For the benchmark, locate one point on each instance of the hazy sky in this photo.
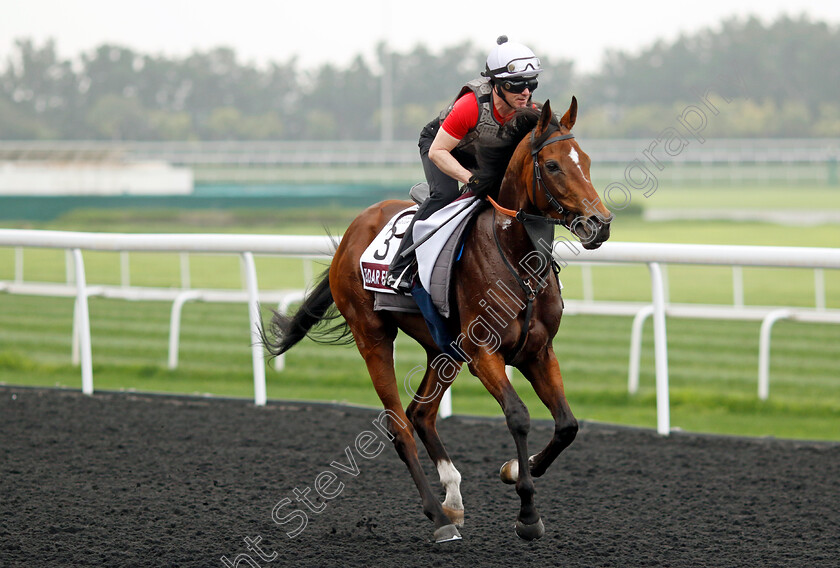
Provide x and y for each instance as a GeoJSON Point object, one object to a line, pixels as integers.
{"type": "Point", "coordinates": [335, 31]}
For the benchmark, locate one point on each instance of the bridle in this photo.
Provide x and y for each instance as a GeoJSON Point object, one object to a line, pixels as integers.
{"type": "Point", "coordinates": [538, 180]}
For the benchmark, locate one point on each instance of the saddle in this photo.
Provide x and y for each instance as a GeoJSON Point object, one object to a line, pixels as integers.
{"type": "Point", "coordinates": [439, 237]}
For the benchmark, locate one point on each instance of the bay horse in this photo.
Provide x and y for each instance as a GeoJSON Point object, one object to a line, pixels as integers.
{"type": "Point", "coordinates": [546, 182]}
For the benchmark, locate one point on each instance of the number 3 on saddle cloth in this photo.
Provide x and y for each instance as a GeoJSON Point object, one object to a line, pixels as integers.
{"type": "Point", "coordinates": [436, 257]}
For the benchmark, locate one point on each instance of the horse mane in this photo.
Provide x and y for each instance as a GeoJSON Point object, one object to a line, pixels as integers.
{"type": "Point", "coordinates": [493, 162]}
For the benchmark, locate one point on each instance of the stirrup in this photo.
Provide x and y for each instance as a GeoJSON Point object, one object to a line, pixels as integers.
{"type": "Point", "coordinates": [402, 285]}
{"type": "Point", "coordinates": [402, 282]}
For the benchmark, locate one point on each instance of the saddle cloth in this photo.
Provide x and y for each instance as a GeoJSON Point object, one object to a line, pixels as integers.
{"type": "Point", "coordinates": [381, 251]}
{"type": "Point", "coordinates": [435, 256]}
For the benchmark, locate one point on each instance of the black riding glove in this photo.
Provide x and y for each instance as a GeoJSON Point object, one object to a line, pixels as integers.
{"type": "Point", "coordinates": [471, 185]}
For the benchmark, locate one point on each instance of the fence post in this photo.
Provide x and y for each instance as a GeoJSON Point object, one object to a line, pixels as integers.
{"type": "Point", "coordinates": [764, 350]}
{"type": "Point", "coordinates": [257, 359]}
{"type": "Point", "coordinates": [83, 323]}
{"type": "Point", "coordinates": [819, 288]}
{"type": "Point", "coordinates": [738, 286]}
{"type": "Point", "coordinates": [283, 308]}
{"type": "Point", "coordinates": [636, 348]}
{"type": "Point", "coordinates": [660, 346]}
{"type": "Point", "coordinates": [175, 324]}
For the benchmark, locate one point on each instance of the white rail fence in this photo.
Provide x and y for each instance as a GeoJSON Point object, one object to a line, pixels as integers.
{"type": "Point", "coordinates": [246, 246]}
{"type": "Point", "coordinates": [655, 256]}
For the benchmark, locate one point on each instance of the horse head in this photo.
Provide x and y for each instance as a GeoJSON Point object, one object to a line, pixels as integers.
{"type": "Point", "coordinates": [552, 175]}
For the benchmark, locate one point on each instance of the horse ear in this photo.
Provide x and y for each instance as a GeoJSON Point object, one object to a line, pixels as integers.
{"type": "Point", "coordinates": [545, 117]}
{"type": "Point", "coordinates": [569, 118]}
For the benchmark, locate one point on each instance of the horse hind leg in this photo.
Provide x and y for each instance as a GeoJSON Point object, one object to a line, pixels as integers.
{"type": "Point", "coordinates": [380, 363]}
{"type": "Point", "coordinates": [453, 504]}
{"type": "Point", "coordinates": [422, 411]}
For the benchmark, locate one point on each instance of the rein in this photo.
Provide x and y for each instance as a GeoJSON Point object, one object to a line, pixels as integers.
{"type": "Point", "coordinates": [536, 234]}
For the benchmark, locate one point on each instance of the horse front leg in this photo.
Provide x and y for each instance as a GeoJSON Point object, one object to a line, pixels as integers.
{"type": "Point", "coordinates": [491, 372]}
{"type": "Point", "coordinates": [543, 372]}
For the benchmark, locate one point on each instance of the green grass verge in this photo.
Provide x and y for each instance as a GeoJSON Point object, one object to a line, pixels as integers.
{"type": "Point", "coordinates": [713, 366]}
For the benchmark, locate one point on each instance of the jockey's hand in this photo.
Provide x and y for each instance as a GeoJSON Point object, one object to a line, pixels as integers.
{"type": "Point", "coordinates": [471, 185]}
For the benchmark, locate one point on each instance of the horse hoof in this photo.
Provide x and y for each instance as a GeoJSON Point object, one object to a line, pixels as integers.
{"type": "Point", "coordinates": [455, 515]}
{"type": "Point", "coordinates": [447, 533]}
{"type": "Point", "coordinates": [530, 532]}
{"type": "Point", "coordinates": [510, 472]}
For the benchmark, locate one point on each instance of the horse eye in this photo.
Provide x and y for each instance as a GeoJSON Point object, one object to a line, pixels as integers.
{"type": "Point", "coordinates": [553, 167]}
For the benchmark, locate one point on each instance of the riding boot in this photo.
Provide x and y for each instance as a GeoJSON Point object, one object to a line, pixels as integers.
{"type": "Point", "coordinates": [403, 269]}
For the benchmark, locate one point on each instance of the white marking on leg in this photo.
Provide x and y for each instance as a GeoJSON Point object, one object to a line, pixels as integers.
{"type": "Point", "coordinates": [450, 478]}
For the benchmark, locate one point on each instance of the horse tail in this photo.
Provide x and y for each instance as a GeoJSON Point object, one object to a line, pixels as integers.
{"type": "Point", "coordinates": [317, 311]}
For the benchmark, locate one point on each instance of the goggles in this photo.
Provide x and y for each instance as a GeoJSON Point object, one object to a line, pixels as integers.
{"type": "Point", "coordinates": [519, 66]}
{"type": "Point", "coordinates": [516, 86]}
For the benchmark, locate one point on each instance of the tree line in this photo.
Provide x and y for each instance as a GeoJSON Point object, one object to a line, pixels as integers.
{"type": "Point", "coordinates": [787, 78]}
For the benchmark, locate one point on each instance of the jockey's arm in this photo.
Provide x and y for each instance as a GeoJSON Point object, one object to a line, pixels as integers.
{"type": "Point", "coordinates": [440, 153]}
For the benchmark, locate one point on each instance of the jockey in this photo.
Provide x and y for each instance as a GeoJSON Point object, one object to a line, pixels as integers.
{"type": "Point", "coordinates": [449, 144]}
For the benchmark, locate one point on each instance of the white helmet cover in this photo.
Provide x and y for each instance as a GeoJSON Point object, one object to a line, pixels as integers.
{"type": "Point", "coordinates": [511, 59]}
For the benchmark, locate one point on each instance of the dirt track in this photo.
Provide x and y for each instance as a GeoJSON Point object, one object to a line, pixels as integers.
{"type": "Point", "coordinates": [134, 480]}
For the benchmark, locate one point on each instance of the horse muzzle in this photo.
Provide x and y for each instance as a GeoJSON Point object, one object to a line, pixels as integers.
{"type": "Point", "coordinates": [592, 231]}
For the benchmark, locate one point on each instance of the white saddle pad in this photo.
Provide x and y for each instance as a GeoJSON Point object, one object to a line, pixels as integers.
{"type": "Point", "coordinates": [429, 251]}
{"type": "Point", "coordinates": [381, 251]}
